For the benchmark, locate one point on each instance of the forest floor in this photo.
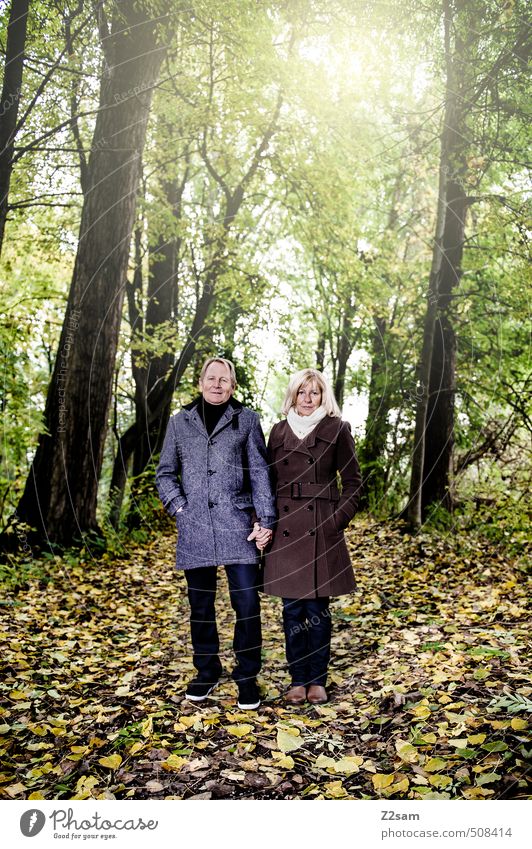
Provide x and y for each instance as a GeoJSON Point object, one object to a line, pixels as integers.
{"type": "Point", "coordinates": [429, 688]}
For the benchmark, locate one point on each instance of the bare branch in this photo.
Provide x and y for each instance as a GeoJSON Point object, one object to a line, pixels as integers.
{"type": "Point", "coordinates": [104, 31]}
{"type": "Point", "coordinates": [69, 43]}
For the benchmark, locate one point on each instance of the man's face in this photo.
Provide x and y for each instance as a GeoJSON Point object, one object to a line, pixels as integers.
{"type": "Point", "coordinates": [216, 385]}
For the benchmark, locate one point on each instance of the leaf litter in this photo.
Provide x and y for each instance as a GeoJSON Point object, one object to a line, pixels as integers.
{"type": "Point", "coordinates": [430, 696]}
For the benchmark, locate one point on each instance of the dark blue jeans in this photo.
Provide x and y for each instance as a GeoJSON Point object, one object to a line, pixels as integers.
{"type": "Point", "coordinates": [247, 643]}
{"type": "Point", "coordinates": [307, 631]}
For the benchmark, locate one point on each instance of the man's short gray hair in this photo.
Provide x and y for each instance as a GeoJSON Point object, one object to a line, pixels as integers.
{"type": "Point", "coordinates": [224, 362]}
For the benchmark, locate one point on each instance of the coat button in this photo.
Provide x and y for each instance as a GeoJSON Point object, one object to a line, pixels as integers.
{"type": "Point", "coordinates": [286, 533]}
{"type": "Point", "coordinates": [285, 462]}
{"type": "Point", "coordinates": [212, 503]}
{"type": "Point", "coordinates": [310, 506]}
{"type": "Point", "coordinates": [211, 472]}
{"type": "Point", "coordinates": [312, 533]}
{"type": "Point", "coordinates": [310, 461]}
{"type": "Point", "coordinates": [286, 508]}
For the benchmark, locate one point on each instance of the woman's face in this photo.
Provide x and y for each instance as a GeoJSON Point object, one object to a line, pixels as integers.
{"type": "Point", "coordinates": [308, 398]}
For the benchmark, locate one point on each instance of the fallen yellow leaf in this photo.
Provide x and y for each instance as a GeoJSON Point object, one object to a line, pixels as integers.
{"type": "Point", "coordinates": [335, 790]}
{"type": "Point", "coordinates": [113, 761]}
{"type": "Point", "coordinates": [15, 790]}
{"type": "Point", "coordinates": [422, 712]}
{"type": "Point", "coordinates": [430, 737]}
{"type": "Point", "coordinates": [18, 694]}
{"type": "Point", "coordinates": [381, 780]}
{"type": "Point", "coordinates": [406, 751]}
{"type": "Point", "coordinates": [476, 738]}
{"type": "Point", "coordinates": [146, 729]}
{"type": "Point", "coordinates": [440, 780]}
{"type": "Point", "coordinates": [287, 742]}
{"type": "Point", "coordinates": [39, 730]}
{"type": "Point", "coordinates": [348, 765]}
{"type": "Point", "coordinates": [399, 786]}
{"type": "Point", "coordinates": [86, 782]}
{"type": "Point", "coordinates": [239, 730]}
{"type": "Point", "coordinates": [435, 764]}
{"type": "Point", "coordinates": [324, 762]}
{"type": "Point", "coordinates": [477, 792]}
{"type": "Point", "coordinates": [285, 762]}
{"type": "Point", "coordinates": [173, 762]}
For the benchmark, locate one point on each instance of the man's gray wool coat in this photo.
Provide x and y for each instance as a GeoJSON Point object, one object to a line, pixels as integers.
{"type": "Point", "coordinates": [220, 481]}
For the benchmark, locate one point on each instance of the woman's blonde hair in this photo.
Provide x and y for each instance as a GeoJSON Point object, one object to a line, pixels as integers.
{"type": "Point", "coordinates": [301, 378]}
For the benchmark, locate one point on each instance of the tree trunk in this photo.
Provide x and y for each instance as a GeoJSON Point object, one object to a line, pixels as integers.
{"type": "Point", "coordinates": [371, 453]}
{"type": "Point", "coordinates": [11, 89]}
{"type": "Point", "coordinates": [439, 434]}
{"type": "Point", "coordinates": [60, 496]}
{"type": "Point", "coordinates": [346, 343]}
{"type": "Point", "coordinates": [414, 506]}
{"type": "Point", "coordinates": [320, 351]}
{"type": "Point", "coordinates": [162, 286]}
{"type": "Point", "coordinates": [162, 398]}
{"type": "Point", "coordinates": [144, 438]}
{"type": "Point", "coordinates": [161, 395]}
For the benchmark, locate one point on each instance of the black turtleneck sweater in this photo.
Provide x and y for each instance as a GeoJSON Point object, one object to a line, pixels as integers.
{"type": "Point", "coordinates": [210, 414]}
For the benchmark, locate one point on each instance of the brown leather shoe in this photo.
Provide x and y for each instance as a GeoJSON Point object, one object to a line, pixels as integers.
{"type": "Point", "coordinates": [316, 694]}
{"type": "Point", "coordinates": [296, 696]}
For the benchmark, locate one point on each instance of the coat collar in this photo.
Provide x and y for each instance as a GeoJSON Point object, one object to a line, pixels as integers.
{"type": "Point", "coordinates": [234, 408]}
{"type": "Point", "coordinates": [327, 430]}
{"type": "Point", "coordinates": [233, 403]}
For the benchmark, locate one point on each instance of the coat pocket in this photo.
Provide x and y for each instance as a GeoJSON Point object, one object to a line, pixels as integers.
{"type": "Point", "coordinates": [243, 502]}
{"type": "Point", "coordinates": [181, 504]}
{"type": "Point", "coordinates": [331, 526]}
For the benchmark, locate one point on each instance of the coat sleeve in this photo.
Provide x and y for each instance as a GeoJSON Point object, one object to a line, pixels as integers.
{"type": "Point", "coordinates": [259, 475]}
{"type": "Point", "coordinates": [350, 475]}
{"type": "Point", "coordinates": [168, 473]}
{"type": "Point", "coordinates": [270, 455]}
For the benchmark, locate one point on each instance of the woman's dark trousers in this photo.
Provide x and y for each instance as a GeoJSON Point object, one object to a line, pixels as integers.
{"type": "Point", "coordinates": [307, 630]}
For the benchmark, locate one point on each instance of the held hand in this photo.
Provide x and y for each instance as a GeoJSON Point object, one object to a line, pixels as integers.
{"type": "Point", "coordinates": [262, 536]}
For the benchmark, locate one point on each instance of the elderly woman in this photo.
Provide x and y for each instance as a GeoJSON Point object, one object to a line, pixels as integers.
{"type": "Point", "coordinates": [308, 561]}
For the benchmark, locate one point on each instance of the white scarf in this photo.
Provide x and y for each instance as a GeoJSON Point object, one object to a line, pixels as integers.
{"type": "Point", "coordinates": [302, 425]}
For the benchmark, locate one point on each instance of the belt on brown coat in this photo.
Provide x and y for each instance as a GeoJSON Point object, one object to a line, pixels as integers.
{"type": "Point", "coordinates": [302, 489]}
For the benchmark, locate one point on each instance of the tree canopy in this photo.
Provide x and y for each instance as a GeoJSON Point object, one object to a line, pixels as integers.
{"type": "Point", "coordinates": [340, 185]}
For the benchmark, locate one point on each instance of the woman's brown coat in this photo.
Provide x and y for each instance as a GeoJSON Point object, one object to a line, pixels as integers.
{"type": "Point", "coordinates": [308, 557]}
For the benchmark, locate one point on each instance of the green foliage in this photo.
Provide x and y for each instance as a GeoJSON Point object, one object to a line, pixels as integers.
{"type": "Point", "coordinates": [18, 573]}
{"type": "Point", "coordinates": [513, 703]}
{"type": "Point", "coordinates": [33, 283]}
{"type": "Point", "coordinates": [505, 522]}
{"type": "Point", "coordinates": [291, 168]}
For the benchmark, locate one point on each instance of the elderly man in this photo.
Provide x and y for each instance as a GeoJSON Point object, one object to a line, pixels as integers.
{"type": "Point", "coordinates": [213, 477]}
